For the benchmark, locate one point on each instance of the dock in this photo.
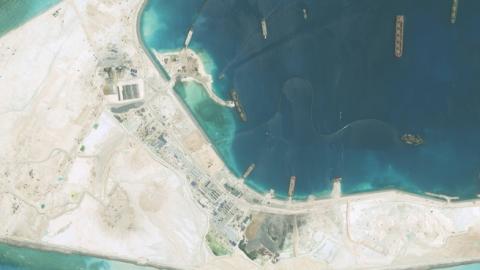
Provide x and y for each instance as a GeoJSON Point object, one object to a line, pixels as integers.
{"type": "Point", "coordinates": [238, 105]}
{"type": "Point", "coordinates": [453, 14]}
{"type": "Point", "coordinates": [291, 187]}
{"type": "Point", "coordinates": [399, 25]}
{"type": "Point", "coordinates": [248, 171]}
{"type": "Point", "coordinates": [336, 188]}
{"type": "Point", "coordinates": [263, 24]}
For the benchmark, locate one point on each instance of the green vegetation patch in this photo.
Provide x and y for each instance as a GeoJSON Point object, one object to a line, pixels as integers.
{"type": "Point", "coordinates": [216, 246]}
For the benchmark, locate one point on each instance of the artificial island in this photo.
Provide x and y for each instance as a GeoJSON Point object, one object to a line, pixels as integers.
{"type": "Point", "coordinates": [103, 158]}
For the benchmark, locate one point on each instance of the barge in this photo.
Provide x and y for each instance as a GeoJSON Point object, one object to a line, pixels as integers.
{"type": "Point", "coordinates": [399, 25]}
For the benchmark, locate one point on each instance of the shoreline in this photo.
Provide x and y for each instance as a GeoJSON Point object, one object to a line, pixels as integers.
{"type": "Point", "coordinates": [153, 59]}
{"type": "Point", "coordinates": [31, 18]}
{"type": "Point", "coordinates": [255, 188]}
{"type": "Point", "coordinates": [199, 127]}
{"type": "Point", "coordinates": [47, 247]}
{"type": "Point", "coordinates": [43, 247]}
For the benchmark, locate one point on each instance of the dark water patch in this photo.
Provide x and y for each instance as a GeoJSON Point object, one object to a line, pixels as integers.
{"type": "Point", "coordinates": [126, 108]}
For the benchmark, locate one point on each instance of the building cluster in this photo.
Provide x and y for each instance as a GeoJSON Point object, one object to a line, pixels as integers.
{"type": "Point", "coordinates": [228, 220]}
{"type": "Point", "coordinates": [184, 65]}
{"type": "Point", "coordinates": [122, 83]}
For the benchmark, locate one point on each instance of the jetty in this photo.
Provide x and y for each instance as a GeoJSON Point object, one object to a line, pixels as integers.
{"type": "Point", "coordinates": [238, 106]}
{"type": "Point", "coordinates": [186, 66]}
{"type": "Point", "coordinates": [399, 25]}
{"type": "Point", "coordinates": [263, 24]}
{"type": "Point", "coordinates": [441, 196]}
{"type": "Point", "coordinates": [248, 171]}
{"type": "Point", "coordinates": [337, 188]}
{"type": "Point", "coordinates": [453, 14]}
{"type": "Point", "coordinates": [291, 187]}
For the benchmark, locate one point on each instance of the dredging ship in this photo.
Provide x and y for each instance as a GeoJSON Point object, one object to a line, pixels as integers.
{"type": "Point", "coordinates": [238, 105]}
{"type": "Point", "coordinates": [399, 24]}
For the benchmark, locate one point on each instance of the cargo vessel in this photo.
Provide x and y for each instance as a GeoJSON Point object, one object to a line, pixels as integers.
{"type": "Point", "coordinates": [399, 24]}
{"type": "Point", "coordinates": [263, 23]}
{"type": "Point", "coordinates": [453, 14]}
{"type": "Point", "coordinates": [249, 170]}
{"type": "Point", "coordinates": [291, 187]}
{"type": "Point", "coordinates": [238, 106]}
{"type": "Point", "coordinates": [189, 37]}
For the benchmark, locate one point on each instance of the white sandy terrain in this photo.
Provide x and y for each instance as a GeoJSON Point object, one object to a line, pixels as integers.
{"type": "Point", "coordinates": [70, 175]}
{"type": "Point", "coordinates": [151, 217]}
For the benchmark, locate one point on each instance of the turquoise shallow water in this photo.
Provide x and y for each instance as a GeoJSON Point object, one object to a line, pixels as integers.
{"type": "Point", "coordinates": [325, 96]}
{"type": "Point", "coordinates": [475, 266]}
{"type": "Point", "coordinates": [16, 12]}
{"type": "Point", "coordinates": [16, 258]}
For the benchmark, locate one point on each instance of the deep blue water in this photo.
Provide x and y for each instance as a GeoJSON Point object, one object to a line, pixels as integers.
{"type": "Point", "coordinates": [326, 97]}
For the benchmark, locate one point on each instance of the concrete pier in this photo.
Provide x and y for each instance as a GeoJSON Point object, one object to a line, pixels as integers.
{"type": "Point", "coordinates": [337, 188]}
{"type": "Point", "coordinates": [185, 66]}
{"type": "Point", "coordinates": [441, 196]}
{"type": "Point", "coordinates": [291, 187]}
